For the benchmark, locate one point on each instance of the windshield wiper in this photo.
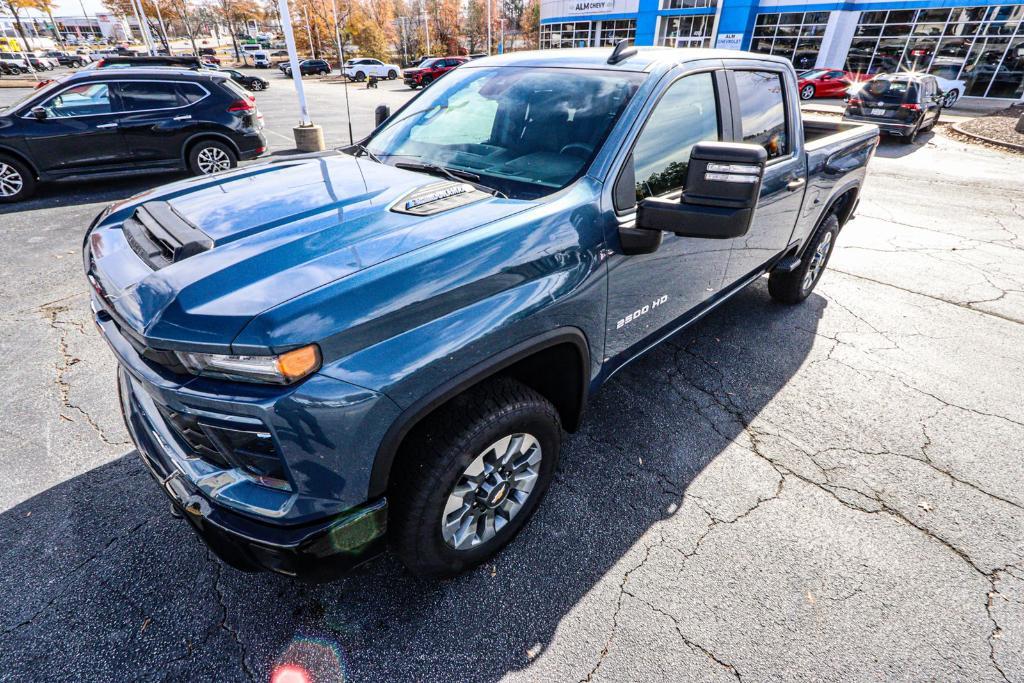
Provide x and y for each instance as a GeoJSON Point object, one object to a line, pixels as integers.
{"type": "Point", "coordinates": [450, 173]}
{"type": "Point", "coordinates": [362, 150]}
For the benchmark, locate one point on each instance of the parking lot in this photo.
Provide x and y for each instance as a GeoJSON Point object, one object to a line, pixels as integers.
{"type": "Point", "coordinates": [832, 491]}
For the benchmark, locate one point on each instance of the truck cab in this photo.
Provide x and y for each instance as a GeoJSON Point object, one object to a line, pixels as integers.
{"type": "Point", "coordinates": [322, 357]}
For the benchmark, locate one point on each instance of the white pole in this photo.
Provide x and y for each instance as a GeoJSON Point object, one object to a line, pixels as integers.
{"type": "Point", "coordinates": [426, 28]}
{"type": "Point", "coordinates": [140, 15]}
{"type": "Point", "coordinates": [293, 60]}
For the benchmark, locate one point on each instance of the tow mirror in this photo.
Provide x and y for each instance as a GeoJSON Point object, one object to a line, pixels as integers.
{"type": "Point", "coordinates": [723, 182]}
{"type": "Point", "coordinates": [39, 112]}
{"type": "Point", "coordinates": [381, 114]}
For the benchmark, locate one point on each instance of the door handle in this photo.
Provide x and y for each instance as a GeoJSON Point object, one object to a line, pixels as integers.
{"type": "Point", "coordinates": [107, 125]}
{"type": "Point", "coordinates": [795, 184]}
{"type": "Point", "coordinates": [184, 117]}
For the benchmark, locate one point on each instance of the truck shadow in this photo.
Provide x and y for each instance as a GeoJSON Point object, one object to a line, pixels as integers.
{"type": "Point", "coordinates": [104, 574]}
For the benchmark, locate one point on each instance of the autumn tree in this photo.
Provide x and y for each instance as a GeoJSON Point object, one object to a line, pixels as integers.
{"type": "Point", "coordinates": [14, 8]}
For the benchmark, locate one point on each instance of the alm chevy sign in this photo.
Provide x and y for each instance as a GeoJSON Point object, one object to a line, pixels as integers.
{"type": "Point", "coordinates": [583, 8]}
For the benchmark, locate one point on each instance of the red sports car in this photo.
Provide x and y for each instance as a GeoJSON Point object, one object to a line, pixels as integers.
{"type": "Point", "coordinates": [827, 82]}
{"type": "Point", "coordinates": [429, 70]}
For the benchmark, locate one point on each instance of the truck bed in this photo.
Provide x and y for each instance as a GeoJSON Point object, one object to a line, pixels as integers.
{"type": "Point", "coordinates": [817, 132]}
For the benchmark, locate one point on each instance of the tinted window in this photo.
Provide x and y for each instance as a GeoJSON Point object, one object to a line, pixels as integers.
{"type": "Point", "coordinates": [80, 100]}
{"type": "Point", "coordinates": [685, 115]}
{"type": "Point", "coordinates": [892, 92]}
{"type": "Point", "coordinates": [190, 92]}
{"type": "Point", "coordinates": [762, 111]}
{"type": "Point", "coordinates": [143, 95]}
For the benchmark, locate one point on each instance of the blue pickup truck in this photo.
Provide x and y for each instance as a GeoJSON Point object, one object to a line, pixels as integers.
{"type": "Point", "coordinates": [324, 357]}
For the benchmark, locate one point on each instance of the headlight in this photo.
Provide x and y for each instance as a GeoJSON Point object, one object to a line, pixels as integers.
{"type": "Point", "coordinates": [285, 368]}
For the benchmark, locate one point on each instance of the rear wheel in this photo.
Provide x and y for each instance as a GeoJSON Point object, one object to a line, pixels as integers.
{"type": "Point", "coordinates": [256, 86]}
{"type": "Point", "coordinates": [909, 138]}
{"type": "Point", "coordinates": [392, 75]}
{"type": "Point", "coordinates": [469, 479]}
{"type": "Point", "coordinates": [795, 286]}
{"type": "Point", "coordinates": [807, 92]}
{"type": "Point", "coordinates": [210, 156]}
{"type": "Point", "coordinates": [17, 182]}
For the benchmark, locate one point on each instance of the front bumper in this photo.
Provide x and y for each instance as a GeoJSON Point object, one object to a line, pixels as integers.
{"type": "Point", "coordinates": [318, 551]}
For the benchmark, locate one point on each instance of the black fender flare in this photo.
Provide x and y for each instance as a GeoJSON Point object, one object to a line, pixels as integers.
{"type": "Point", "coordinates": [411, 416]}
{"type": "Point", "coordinates": [192, 139]}
{"type": "Point", "coordinates": [20, 156]}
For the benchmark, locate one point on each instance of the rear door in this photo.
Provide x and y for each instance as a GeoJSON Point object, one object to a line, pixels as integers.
{"type": "Point", "coordinates": [158, 117]}
{"type": "Point", "coordinates": [80, 131]}
{"type": "Point", "coordinates": [764, 115]}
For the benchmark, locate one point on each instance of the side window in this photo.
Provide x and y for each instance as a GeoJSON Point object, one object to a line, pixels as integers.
{"type": "Point", "coordinates": [80, 100]}
{"type": "Point", "coordinates": [685, 115]}
{"type": "Point", "coordinates": [144, 95]}
{"type": "Point", "coordinates": [763, 111]}
{"type": "Point", "coordinates": [190, 92]}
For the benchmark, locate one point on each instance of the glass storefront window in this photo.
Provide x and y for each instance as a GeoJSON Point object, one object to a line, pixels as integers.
{"type": "Point", "coordinates": [687, 4]}
{"type": "Point", "coordinates": [611, 32]}
{"type": "Point", "coordinates": [565, 35]}
{"type": "Point", "coordinates": [981, 46]}
{"type": "Point", "coordinates": [692, 31]}
{"type": "Point", "coordinates": [797, 36]}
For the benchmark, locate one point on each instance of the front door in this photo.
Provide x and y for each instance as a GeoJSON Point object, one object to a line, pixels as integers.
{"type": "Point", "coordinates": [764, 119]}
{"type": "Point", "coordinates": [649, 291]}
{"type": "Point", "coordinates": [80, 131]}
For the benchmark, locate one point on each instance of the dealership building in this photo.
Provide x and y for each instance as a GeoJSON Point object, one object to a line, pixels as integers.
{"type": "Point", "coordinates": [980, 44]}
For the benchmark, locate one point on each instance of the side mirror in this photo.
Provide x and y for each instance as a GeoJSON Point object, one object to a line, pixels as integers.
{"type": "Point", "coordinates": [723, 183]}
{"type": "Point", "coordinates": [39, 112]}
{"type": "Point", "coordinates": [381, 114]}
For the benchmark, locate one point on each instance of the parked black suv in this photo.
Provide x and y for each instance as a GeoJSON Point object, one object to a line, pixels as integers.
{"type": "Point", "coordinates": [118, 121]}
{"type": "Point", "coordinates": [900, 104]}
{"type": "Point", "coordinates": [310, 67]}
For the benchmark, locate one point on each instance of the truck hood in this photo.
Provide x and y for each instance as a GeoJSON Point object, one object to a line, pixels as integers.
{"type": "Point", "coordinates": [269, 233]}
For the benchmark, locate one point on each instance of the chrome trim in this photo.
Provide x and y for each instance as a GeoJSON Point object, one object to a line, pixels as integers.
{"type": "Point", "coordinates": [119, 113]}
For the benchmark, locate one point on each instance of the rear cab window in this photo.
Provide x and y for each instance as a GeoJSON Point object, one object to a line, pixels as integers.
{"type": "Point", "coordinates": [763, 111]}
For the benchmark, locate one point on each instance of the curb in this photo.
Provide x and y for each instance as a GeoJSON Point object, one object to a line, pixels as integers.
{"type": "Point", "coordinates": [987, 140]}
{"type": "Point", "coordinates": [17, 83]}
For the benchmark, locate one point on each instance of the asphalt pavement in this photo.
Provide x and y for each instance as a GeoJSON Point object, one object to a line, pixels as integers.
{"type": "Point", "coordinates": [826, 492]}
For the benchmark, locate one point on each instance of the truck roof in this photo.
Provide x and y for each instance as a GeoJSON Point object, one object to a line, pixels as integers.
{"type": "Point", "coordinates": [645, 59]}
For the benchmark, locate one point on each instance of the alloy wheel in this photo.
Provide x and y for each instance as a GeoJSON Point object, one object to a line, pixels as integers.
{"type": "Point", "coordinates": [807, 92]}
{"type": "Point", "coordinates": [213, 160]}
{"type": "Point", "coordinates": [11, 181]}
{"type": "Point", "coordinates": [817, 261]}
{"type": "Point", "coordinates": [491, 491]}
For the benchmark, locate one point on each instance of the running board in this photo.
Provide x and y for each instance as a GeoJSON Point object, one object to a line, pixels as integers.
{"type": "Point", "coordinates": [787, 265]}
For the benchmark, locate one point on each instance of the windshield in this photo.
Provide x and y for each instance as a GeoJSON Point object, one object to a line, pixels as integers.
{"type": "Point", "coordinates": [893, 92]}
{"type": "Point", "coordinates": [525, 131]}
{"type": "Point", "coordinates": [426, 62]}
{"type": "Point", "coordinates": [813, 73]}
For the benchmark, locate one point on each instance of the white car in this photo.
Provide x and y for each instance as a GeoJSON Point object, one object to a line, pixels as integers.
{"type": "Point", "coordinates": [363, 68]}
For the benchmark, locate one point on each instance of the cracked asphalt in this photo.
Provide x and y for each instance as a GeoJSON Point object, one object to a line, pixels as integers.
{"type": "Point", "coordinates": [832, 491]}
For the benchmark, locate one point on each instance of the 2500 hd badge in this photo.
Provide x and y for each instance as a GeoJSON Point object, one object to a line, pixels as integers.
{"type": "Point", "coordinates": [323, 357]}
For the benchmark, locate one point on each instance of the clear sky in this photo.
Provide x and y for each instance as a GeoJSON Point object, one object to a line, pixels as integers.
{"type": "Point", "coordinates": [74, 7]}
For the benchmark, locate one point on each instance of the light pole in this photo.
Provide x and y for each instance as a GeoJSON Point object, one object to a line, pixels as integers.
{"type": "Point", "coordinates": [488, 26]}
{"type": "Point", "coordinates": [308, 138]}
{"type": "Point", "coordinates": [341, 65]}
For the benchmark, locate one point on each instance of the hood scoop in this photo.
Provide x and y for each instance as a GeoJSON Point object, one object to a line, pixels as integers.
{"type": "Point", "coordinates": [436, 198]}
{"type": "Point", "coordinates": [161, 237]}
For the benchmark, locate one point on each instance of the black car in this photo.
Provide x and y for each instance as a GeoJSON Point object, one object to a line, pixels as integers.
{"type": "Point", "coordinates": [66, 58]}
{"type": "Point", "coordinates": [116, 121]}
{"type": "Point", "coordinates": [254, 83]}
{"type": "Point", "coordinates": [310, 67]}
{"type": "Point", "coordinates": [899, 104]}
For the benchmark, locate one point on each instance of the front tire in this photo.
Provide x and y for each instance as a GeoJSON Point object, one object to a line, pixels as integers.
{"type": "Point", "coordinates": [209, 156]}
{"type": "Point", "coordinates": [360, 76]}
{"type": "Point", "coordinates": [950, 98]}
{"type": "Point", "coordinates": [17, 181]}
{"type": "Point", "coordinates": [472, 476]}
{"type": "Point", "coordinates": [807, 92]}
{"type": "Point", "coordinates": [795, 286]}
